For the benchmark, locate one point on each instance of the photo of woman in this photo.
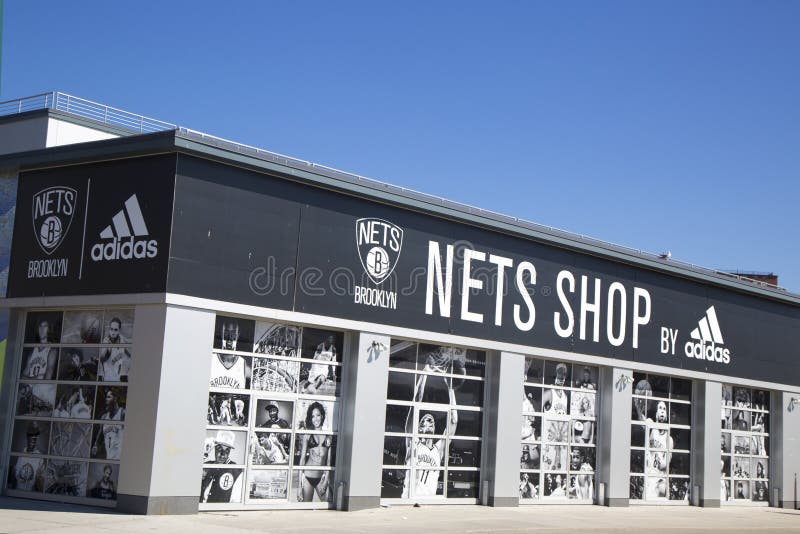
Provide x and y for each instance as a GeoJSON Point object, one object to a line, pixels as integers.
{"type": "Point", "coordinates": [315, 450]}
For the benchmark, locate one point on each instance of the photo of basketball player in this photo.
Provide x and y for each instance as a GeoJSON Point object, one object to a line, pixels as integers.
{"type": "Point", "coordinates": [111, 401]}
{"type": "Point", "coordinates": [30, 437]}
{"type": "Point", "coordinates": [103, 481]}
{"type": "Point", "coordinates": [64, 477]}
{"type": "Point", "coordinates": [279, 376]}
{"type": "Point", "coordinates": [276, 339]}
{"type": "Point", "coordinates": [230, 447]}
{"type": "Point", "coordinates": [36, 399]}
{"type": "Point", "coordinates": [70, 439]}
{"type": "Point", "coordinates": [424, 450]}
{"type": "Point", "coordinates": [318, 378]}
{"type": "Point", "coordinates": [39, 363]}
{"type": "Point", "coordinates": [114, 362]}
{"type": "Point", "coordinates": [233, 333]}
{"type": "Point", "coordinates": [586, 378]}
{"type": "Point", "coordinates": [82, 326]}
{"type": "Point", "coordinates": [581, 482]}
{"type": "Point", "coordinates": [266, 485]}
{"type": "Point", "coordinates": [124, 320]}
{"type": "Point", "coordinates": [74, 402]}
{"type": "Point", "coordinates": [78, 364]}
{"type": "Point", "coordinates": [531, 399]}
{"type": "Point", "coordinates": [555, 400]}
{"type": "Point", "coordinates": [43, 327]}
{"type": "Point", "coordinates": [228, 409]}
{"type": "Point", "coordinates": [229, 371]}
{"type": "Point", "coordinates": [107, 441]}
{"type": "Point", "coordinates": [267, 449]}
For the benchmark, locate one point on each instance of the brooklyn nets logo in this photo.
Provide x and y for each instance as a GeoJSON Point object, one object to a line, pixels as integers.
{"type": "Point", "coordinates": [53, 209]}
{"type": "Point", "coordinates": [379, 244]}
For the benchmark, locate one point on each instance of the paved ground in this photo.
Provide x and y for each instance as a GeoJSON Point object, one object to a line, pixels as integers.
{"type": "Point", "coordinates": [18, 515]}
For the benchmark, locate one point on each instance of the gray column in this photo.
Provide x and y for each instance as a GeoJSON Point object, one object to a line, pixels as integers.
{"type": "Point", "coordinates": [363, 401]}
{"type": "Point", "coordinates": [706, 450]}
{"type": "Point", "coordinates": [165, 421]}
{"type": "Point", "coordinates": [614, 436]}
{"type": "Point", "coordinates": [784, 450]}
{"type": "Point", "coordinates": [502, 412]}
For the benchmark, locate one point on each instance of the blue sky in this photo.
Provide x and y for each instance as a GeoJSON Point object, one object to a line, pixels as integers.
{"type": "Point", "coordinates": [656, 125]}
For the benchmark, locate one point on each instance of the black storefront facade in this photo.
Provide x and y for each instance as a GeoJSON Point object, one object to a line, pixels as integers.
{"type": "Point", "coordinates": [198, 327]}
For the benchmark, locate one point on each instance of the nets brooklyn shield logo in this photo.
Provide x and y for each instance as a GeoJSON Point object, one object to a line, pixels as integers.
{"type": "Point", "coordinates": [53, 209]}
{"type": "Point", "coordinates": [379, 243]}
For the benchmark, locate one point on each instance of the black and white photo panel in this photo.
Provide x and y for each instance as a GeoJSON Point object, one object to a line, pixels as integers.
{"type": "Point", "coordinates": [554, 457]}
{"type": "Point", "coordinates": [531, 428]}
{"type": "Point", "coordinates": [74, 401]}
{"type": "Point", "coordinates": [78, 364]}
{"type": "Point", "coordinates": [437, 358]}
{"type": "Point", "coordinates": [319, 379]}
{"type": "Point", "coordinates": [583, 432]}
{"type": "Point", "coordinates": [534, 370]}
{"type": "Point", "coordinates": [66, 477]}
{"type": "Point", "coordinates": [265, 485]}
{"type": "Point", "coordinates": [316, 415]}
{"type": "Point", "coordinates": [36, 400]}
{"type": "Point", "coordinates": [468, 392]}
{"type": "Point", "coordinates": [30, 436]}
{"type": "Point", "coordinates": [228, 409]}
{"type": "Point", "coordinates": [582, 404]}
{"type": "Point", "coordinates": [401, 386]}
{"type": "Point", "coordinates": [394, 450]}
{"type": "Point", "coordinates": [111, 402]}
{"type": "Point", "coordinates": [234, 333]}
{"type": "Point", "coordinates": [314, 449]}
{"type": "Point", "coordinates": [403, 354]}
{"type": "Point", "coordinates": [274, 413]}
{"type": "Point", "coordinates": [469, 362]}
{"type": "Point", "coordinates": [555, 401]}
{"type": "Point", "coordinates": [230, 371]}
{"type": "Point", "coordinates": [656, 487]}
{"type": "Point", "coordinates": [276, 339]}
{"type": "Point", "coordinates": [274, 375]}
{"type": "Point", "coordinates": [26, 473]}
{"type": "Point", "coordinates": [39, 363]}
{"type": "Point", "coordinates": [637, 487]}
{"type": "Point", "coordinates": [269, 448]}
{"type": "Point", "coordinates": [311, 485]}
{"type": "Point", "coordinates": [118, 327]}
{"type": "Point", "coordinates": [113, 364]}
{"type": "Point", "coordinates": [103, 479]}
{"type": "Point", "coordinates": [82, 326]}
{"type": "Point", "coordinates": [529, 486]}
{"type": "Point", "coordinates": [43, 327]}
{"type": "Point", "coordinates": [555, 485]}
{"type": "Point", "coordinates": [221, 484]}
{"type": "Point", "coordinates": [430, 422]}
{"type": "Point", "coordinates": [462, 484]}
{"type": "Point", "coordinates": [464, 453]}
{"type": "Point", "coordinates": [322, 345]}
{"type": "Point", "coordinates": [399, 418]}
{"type": "Point", "coordinates": [392, 482]}
{"type": "Point", "coordinates": [584, 377]}
{"type": "Point", "coordinates": [225, 447]}
{"type": "Point", "coordinates": [71, 439]}
{"type": "Point", "coordinates": [531, 456]}
{"type": "Point", "coordinates": [470, 423]}
{"type": "Point", "coordinates": [107, 441]}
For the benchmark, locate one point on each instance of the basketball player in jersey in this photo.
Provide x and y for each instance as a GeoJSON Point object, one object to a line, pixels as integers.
{"type": "Point", "coordinates": [42, 358]}
{"type": "Point", "coordinates": [225, 412]}
{"type": "Point", "coordinates": [228, 371]}
{"type": "Point", "coordinates": [110, 437]}
{"type": "Point", "coordinates": [556, 401]}
{"type": "Point", "coordinates": [115, 362]}
{"type": "Point", "coordinates": [424, 451]}
{"type": "Point", "coordinates": [659, 438]}
{"type": "Point", "coordinates": [318, 373]}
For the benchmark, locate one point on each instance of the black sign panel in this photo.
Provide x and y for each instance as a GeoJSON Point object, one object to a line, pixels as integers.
{"type": "Point", "coordinates": [320, 252]}
{"type": "Point", "coordinates": [92, 229]}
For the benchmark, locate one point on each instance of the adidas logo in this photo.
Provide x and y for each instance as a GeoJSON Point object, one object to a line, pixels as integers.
{"type": "Point", "coordinates": [708, 340]}
{"type": "Point", "coordinates": [123, 237]}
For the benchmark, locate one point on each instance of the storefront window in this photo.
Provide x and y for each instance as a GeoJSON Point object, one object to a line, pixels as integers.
{"type": "Point", "coordinates": [434, 422]}
{"type": "Point", "coordinates": [559, 430]}
{"type": "Point", "coordinates": [660, 438]}
{"type": "Point", "coordinates": [272, 415]}
{"type": "Point", "coordinates": [744, 445]}
{"type": "Point", "coordinates": [70, 406]}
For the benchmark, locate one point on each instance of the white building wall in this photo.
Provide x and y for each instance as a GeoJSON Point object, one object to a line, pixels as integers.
{"type": "Point", "coordinates": [61, 132]}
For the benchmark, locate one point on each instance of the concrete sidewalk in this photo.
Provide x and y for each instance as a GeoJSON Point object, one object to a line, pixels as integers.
{"type": "Point", "coordinates": [18, 515]}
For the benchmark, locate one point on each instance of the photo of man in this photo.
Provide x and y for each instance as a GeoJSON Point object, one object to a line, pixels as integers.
{"type": "Point", "coordinates": [102, 481]}
{"type": "Point", "coordinates": [223, 484]}
{"type": "Point", "coordinates": [43, 327]}
{"type": "Point", "coordinates": [30, 437]}
{"type": "Point", "coordinates": [114, 363]}
{"type": "Point", "coordinates": [78, 364]}
{"type": "Point", "coordinates": [39, 362]}
{"type": "Point", "coordinates": [74, 402]}
{"type": "Point", "coordinates": [107, 441]}
{"type": "Point", "coordinates": [527, 488]}
{"type": "Point", "coordinates": [530, 457]}
{"type": "Point", "coordinates": [317, 377]}
{"type": "Point", "coordinates": [228, 409]}
{"type": "Point", "coordinates": [114, 399]}
{"type": "Point", "coordinates": [267, 449]}
{"type": "Point", "coordinates": [555, 400]}
{"type": "Point", "coordinates": [587, 379]}
{"type": "Point", "coordinates": [233, 333]}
